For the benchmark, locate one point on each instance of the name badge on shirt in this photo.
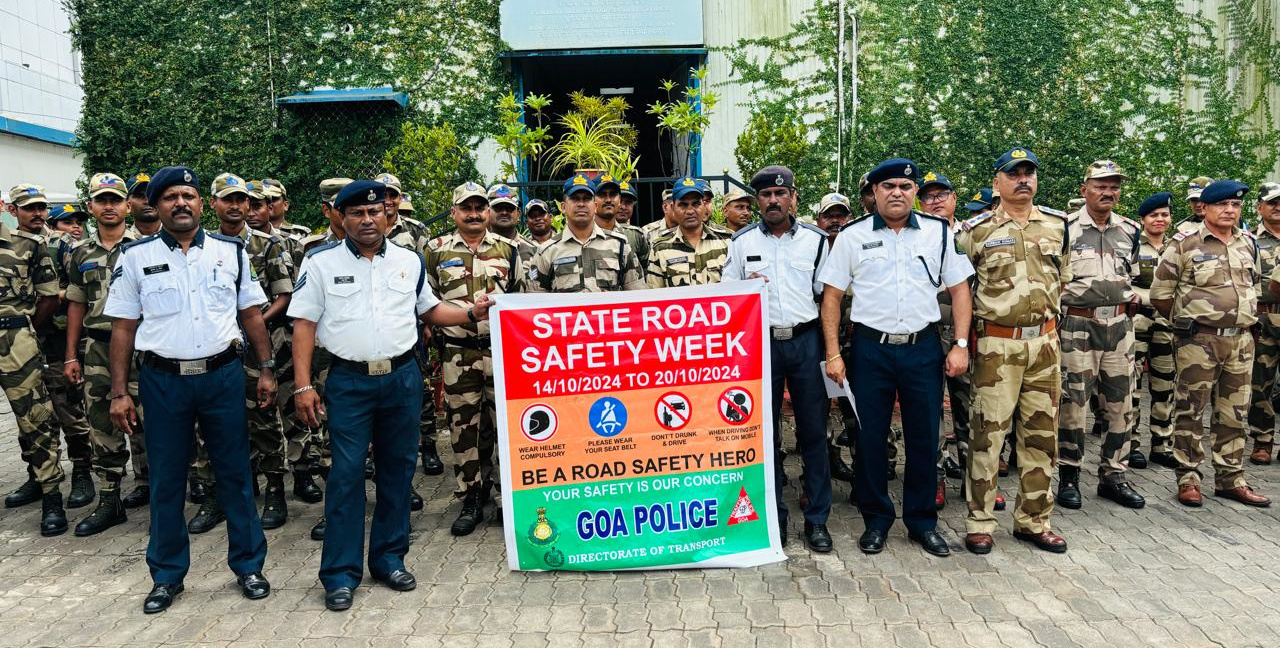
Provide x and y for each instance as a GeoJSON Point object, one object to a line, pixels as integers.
{"type": "Point", "coordinates": [872, 245]}
{"type": "Point", "coordinates": [1082, 247]}
{"type": "Point", "coordinates": [753, 257]}
{"type": "Point", "coordinates": [451, 263]}
{"type": "Point", "coordinates": [1201, 258]}
{"type": "Point", "coordinates": [155, 269]}
{"type": "Point", "coordinates": [998, 242]}
{"type": "Point", "coordinates": [683, 259]}
{"type": "Point", "coordinates": [564, 260]}
{"type": "Point", "coordinates": [344, 280]}
{"type": "Point", "coordinates": [88, 265]}
{"type": "Point", "coordinates": [1146, 257]}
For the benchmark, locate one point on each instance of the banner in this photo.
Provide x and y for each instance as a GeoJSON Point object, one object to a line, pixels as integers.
{"type": "Point", "coordinates": [635, 428]}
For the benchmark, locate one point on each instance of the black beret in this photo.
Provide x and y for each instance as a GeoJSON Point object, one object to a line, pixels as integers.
{"type": "Point", "coordinates": [360, 192]}
{"type": "Point", "coordinates": [773, 176]}
{"type": "Point", "coordinates": [894, 168]}
{"type": "Point", "coordinates": [170, 176]}
{"type": "Point", "coordinates": [1223, 190]}
{"type": "Point", "coordinates": [1154, 202]}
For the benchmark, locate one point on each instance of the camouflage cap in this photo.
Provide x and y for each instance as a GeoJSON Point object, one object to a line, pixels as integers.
{"type": "Point", "coordinates": [536, 204]}
{"type": "Point", "coordinates": [1269, 191]}
{"type": "Point", "coordinates": [501, 194]}
{"type": "Point", "coordinates": [864, 186]}
{"type": "Point", "coordinates": [391, 181]}
{"type": "Point", "coordinates": [1075, 204]}
{"type": "Point", "coordinates": [1196, 186]}
{"type": "Point", "coordinates": [666, 195]}
{"type": "Point", "coordinates": [330, 187]}
{"type": "Point", "coordinates": [468, 190]}
{"type": "Point", "coordinates": [107, 183]}
{"type": "Point", "coordinates": [258, 189]}
{"type": "Point", "coordinates": [273, 188]}
{"type": "Point", "coordinates": [834, 200]}
{"type": "Point", "coordinates": [226, 184]}
{"type": "Point", "coordinates": [406, 205]}
{"type": "Point", "coordinates": [27, 194]}
{"type": "Point", "coordinates": [1104, 169]}
{"type": "Point", "coordinates": [736, 193]}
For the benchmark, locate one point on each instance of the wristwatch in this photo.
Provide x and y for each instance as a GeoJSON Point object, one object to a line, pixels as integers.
{"type": "Point", "coordinates": [471, 315]}
{"type": "Point", "coordinates": [269, 363]}
{"type": "Point", "coordinates": [963, 343]}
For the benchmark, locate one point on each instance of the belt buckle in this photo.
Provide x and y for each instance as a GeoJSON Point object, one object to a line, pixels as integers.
{"type": "Point", "coordinates": [1230, 331]}
{"type": "Point", "coordinates": [192, 367]}
{"type": "Point", "coordinates": [379, 367]}
{"type": "Point", "coordinates": [1025, 332]}
{"type": "Point", "coordinates": [783, 333]}
{"type": "Point", "coordinates": [898, 338]}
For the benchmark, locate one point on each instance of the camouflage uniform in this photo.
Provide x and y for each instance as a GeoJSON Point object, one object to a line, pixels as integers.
{"type": "Point", "coordinates": [639, 242]}
{"type": "Point", "coordinates": [301, 454]}
{"type": "Point", "coordinates": [89, 268]}
{"type": "Point", "coordinates": [317, 448]}
{"type": "Point", "coordinates": [1097, 339]}
{"type": "Point", "coordinates": [673, 262]}
{"type": "Point", "coordinates": [412, 234]}
{"type": "Point", "coordinates": [1153, 346]}
{"type": "Point", "coordinates": [459, 276]}
{"type": "Point", "coordinates": [1262, 414]}
{"type": "Point", "coordinates": [604, 263]}
{"type": "Point", "coordinates": [655, 230]}
{"type": "Point", "coordinates": [959, 387]}
{"type": "Point", "coordinates": [1020, 274]}
{"type": "Point", "coordinates": [1211, 283]}
{"type": "Point", "coordinates": [68, 401]}
{"type": "Point", "coordinates": [27, 274]}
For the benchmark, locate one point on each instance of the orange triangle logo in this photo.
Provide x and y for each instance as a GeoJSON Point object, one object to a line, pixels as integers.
{"type": "Point", "coordinates": [743, 511]}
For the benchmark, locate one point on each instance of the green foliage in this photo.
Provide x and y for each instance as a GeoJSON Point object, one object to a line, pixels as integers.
{"type": "Point", "coordinates": [517, 139]}
{"type": "Point", "coordinates": [952, 84]}
{"type": "Point", "coordinates": [195, 83]}
{"type": "Point", "coordinates": [779, 137]}
{"type": "Point", "coordinates": [685, 118]}
{"type": "Point", "coordinates": [596, 135]}
{"type": "Point", "coordinates": [430, 161]}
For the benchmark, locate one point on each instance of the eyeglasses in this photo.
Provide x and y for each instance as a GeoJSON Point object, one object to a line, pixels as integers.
{"type": "Point", "coordinates": [936, 197]}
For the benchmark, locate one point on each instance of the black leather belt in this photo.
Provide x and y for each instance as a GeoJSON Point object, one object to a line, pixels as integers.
{"type": "Point", "coordinates": [95, 334]}
{"type": "Point", "coordinates": [778, 333]}
{"type": "Point", "coordinates": [375, 367]}
{"type": "Point", "coordinates": [896, 339]}
{"type": "Point", "coordinates": [17, 322]}
{"type": "Point", "coordinates": [190, 367]}
{"type": "Point", "coordinates": [1147, 311]}
{"type": "Point", "coordinates": [478, 342]}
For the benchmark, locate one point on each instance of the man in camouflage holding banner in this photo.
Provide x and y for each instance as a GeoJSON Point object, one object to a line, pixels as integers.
{"type": "Point", "coordinates": [694, 252]}
{"type": "Point", "coordinates": [584, 257]}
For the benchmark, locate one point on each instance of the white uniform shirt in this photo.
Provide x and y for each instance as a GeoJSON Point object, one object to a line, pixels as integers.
{"type": "Point", "coordinates": [788, 261]}
{"type": "Point", "coordinates": [364, 310]}
{"type": "Point", "coordinates": [188, 303]}
{"type": "Point", "coordinates": [893, 274]}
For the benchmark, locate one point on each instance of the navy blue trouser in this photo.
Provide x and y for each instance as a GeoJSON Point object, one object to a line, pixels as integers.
{"type": "Point", "coordinates": [384, 411]}
{"type": "Point", "coordinates": [795, 367]}
{"type": "Point", "coordinates": [174, 404]}
{"type": "Point", "coordinates": [910, 374]}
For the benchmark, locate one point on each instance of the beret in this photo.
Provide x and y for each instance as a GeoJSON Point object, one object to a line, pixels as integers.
{"type": "Point", "coordinates": [773, 176]}
{"type": "Point", "coordinates": [1223, 190]}
{"type": "Point", "coordinates": [170, 176]}
{"type": "Point", "coordinates": [891, 169]}
{"type": "Point", "coordinates": [360, 192]}
{"type": "Point", "coordinates": [1154, 202]}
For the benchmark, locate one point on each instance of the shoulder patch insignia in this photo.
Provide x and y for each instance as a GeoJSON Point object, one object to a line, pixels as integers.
{"type": "Point", "coordinates": [975, 221]}
{"type": "Point", "coordinates": [1051, 211]}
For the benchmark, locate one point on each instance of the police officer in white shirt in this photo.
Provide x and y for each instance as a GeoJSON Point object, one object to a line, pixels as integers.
{"type": "Point", "coordinates": [180, 297]}
{"type": "Point", "coordinates": [896, 260]}
{"type": "Point", "coordinates": [362, 299]}
{"type": "Point", "coordinates": [788, 255]}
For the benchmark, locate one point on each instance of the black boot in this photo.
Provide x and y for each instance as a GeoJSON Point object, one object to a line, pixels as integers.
{"type": "Point", "coordinates": [469, 517]}
{"type": "Point", "coordinates": [1069, 487]}
{"type": "Point", "coordinates": [210, 514]}
{"type": "Point", "coordinates": [317, 531]}
{"type": "Point", "coordinates": [141, 496]}
{"type": "Point", "coordinates": [305, 487]}
{"type": "Point", "coordinates": [53, 520]}
{"type": "Point", "coordinates": [368, 467]}
{"type": "Point", "coordinates": [197, 491]}
{"type": "Point", "coordinates": [28, 493]}
{"type": "Point", "coordinates": [82, 492]}
{"type": "Point", "coordinates": [275, 512]}
{"type": "Point", "coordinates": [431, 464]}
{"type": "Point", "coordinates": [840, 471]}
{"type": "Point", "coordinates": [952, 469]}
{"type": "Point", "coordinates": [109, 513]}
{"type": "Point", "coordinates": [415, 500]}
{"type": "Point", "coordinates": [1137, 459]}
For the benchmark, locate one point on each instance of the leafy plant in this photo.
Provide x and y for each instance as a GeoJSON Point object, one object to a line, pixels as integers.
{"type": "Point", "coordinates": [595, 135]}
{"type": "Point", "coordinates": [685, 118]}
{"type": "Point", "coordinates": [516, 138]}
{"type": "Point", "coordinates": [430, 161]}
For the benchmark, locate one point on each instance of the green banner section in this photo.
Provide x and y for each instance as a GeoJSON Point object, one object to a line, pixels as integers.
{"type": "Point", "coordinates": [642, 523]}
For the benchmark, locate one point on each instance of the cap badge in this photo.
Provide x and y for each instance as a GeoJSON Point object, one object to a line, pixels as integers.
{"type": "Point", "coordinates": [907, 169]}
{"type": "Point", "coordinates": [977, 196]}
{"type": "Point", "coordinates": [231, 182]}
{"type": "Point", "coordinates": [624, 184]}
{"type": "Point", "coordinates": [1239, 193]}
{"type": "Point", "coordinates": [186, 176]}
{"type": "Point", "coordinates": [688, 182]}
{"type": "Point", "coordinates": [372, 195]}
{"type": "Point", "coordinates": [929, 177]}
{"type": "Point", "coordinates": [838, 198]}
{"type": "Point", "coordinates": [143, 177]}
{"type": "Point", "coordinates": [1018, 154]}
{"type": "Point", "coordinates": [32, 191]}
{"type": "Point", "coordinates": [779, 180]}
{"type": "Point", "coordinates": [579, 181]}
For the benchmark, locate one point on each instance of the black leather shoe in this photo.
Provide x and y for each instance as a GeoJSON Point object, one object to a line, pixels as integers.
{"type": "Point", "coordinates": [469, 516]}
{"type": "Point", "coordinates": [141, 496]}
{"type": "Point", "coordinates": [1122, 494]}
{"type": "Point", "coordinates": [209, 516]}
{"type": "Point", "coordinates": [840, 471]}
{"type": "Point", "coordinates": [161, 597]}
{"type": "Point", "coordinates": [398, 580]}
{"type": "Point", "coordinates": [82, 492]}
{"type": "Point", "coordinates": [931, 541]}
{"type": "Point", "coordinates": [109, 513]}
{"type": "Point", "coordinates": [1069, 487]}
{"type": "Point", "coordinates": [952, 469]}
{"type": "Point", "coordinates": [816, 536]}
{"type": "Point", "coordinates": [415, 500]}
{"type": "Point", "coordinates": [197, 492]}
{"type": "Point", "coordinates": [254, 586]}
{"type": "Point", "coordinates": [317, 531]}
{"type": "Point", "coordinates": [28, 493]}
{"type": "Point", "coordinates": [842, 439]}
{"type": "Point", "coordinates": [275, 511]}
{"type": "Point", "coordinates": [53, 519]}
{"type": "Point", "coordinates": [338, 599]}
{"type": "Point", "coordinates": [871, 541]}
{"type": "Point", "coordinates": [431, 464]}
{"type": "Point", "coordinates": [1137, 460]}
{"type": "Point", "coordinates": [1165, 459]}
{"type": "Point", "coordinates": [305, 487]}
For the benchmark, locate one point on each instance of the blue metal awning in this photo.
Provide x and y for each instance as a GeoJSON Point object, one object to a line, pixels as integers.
{"type": "Point", "coordinates": [37, 132]}
{"type": "Point", "coordinates": [346, 95]}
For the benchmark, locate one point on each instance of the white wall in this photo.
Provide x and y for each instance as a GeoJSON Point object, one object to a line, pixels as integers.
{"type": "Point", "coordinates": [26, 160]}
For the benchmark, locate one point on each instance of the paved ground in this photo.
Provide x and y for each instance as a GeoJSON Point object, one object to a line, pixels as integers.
{"type": "Point", "coordinates": [1163, 576]}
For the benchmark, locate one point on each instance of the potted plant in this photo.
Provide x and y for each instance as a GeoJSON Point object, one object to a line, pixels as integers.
{"type": "Point", "coordinates": [596, 137]}
{"type": "Point", "coordinates": [685, 118]}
